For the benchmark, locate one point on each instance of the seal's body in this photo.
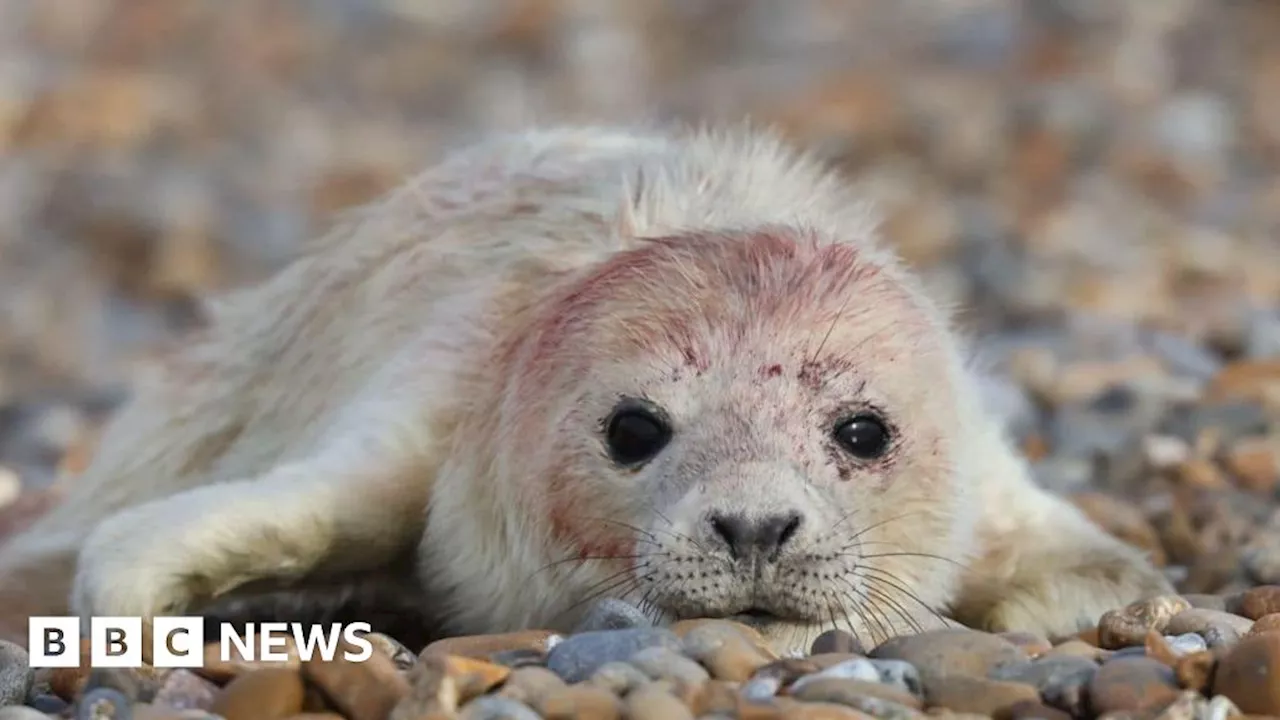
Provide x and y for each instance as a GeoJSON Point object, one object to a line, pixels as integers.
{"type": "Point", "coordinates": [678, 369]}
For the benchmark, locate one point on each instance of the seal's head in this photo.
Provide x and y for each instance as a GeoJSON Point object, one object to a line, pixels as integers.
{"type": "Point", "coordinates": [762, 426]}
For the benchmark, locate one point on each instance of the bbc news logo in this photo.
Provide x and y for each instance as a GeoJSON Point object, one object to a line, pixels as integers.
{"type": "Point", "coordinates": [179, 642]}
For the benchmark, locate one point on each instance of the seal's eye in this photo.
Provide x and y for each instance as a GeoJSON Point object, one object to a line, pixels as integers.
{"type": "Point", "coordinates": [863, 436]}
{"type": "Point", "coordinates": [635, 433]}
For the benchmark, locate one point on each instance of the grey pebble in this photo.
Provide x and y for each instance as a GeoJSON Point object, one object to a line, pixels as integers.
{"type": "Point", "coordinates": [104, 703]}
{"type": "Point", "coordinates": [900, 674]}
{"type": "Point", "coordinates": [662, 663]}
{"type": "Point", "coordinates": [1048, 672]}
{"type": "Point", "coordinates": [48, 703]}
{"type": "Point", "coordinates": [855, 669]}
{"type": "Point", "coordinates": [761, 688]}
{"type": "Point", "coordinates": [612, 614]}
{"type": "Point", "coordinates": [580, 655]}
{"type": "Point", "coordinates": [494, 707]}
{"type": "Point", "coordinates": [1187, 643]}
{"type": "Point", "coordinates": [22, 712]}
{"type": "Point", "coordinates": [16, 674]}
{"type": "Point", "coordinates": [522, 657]}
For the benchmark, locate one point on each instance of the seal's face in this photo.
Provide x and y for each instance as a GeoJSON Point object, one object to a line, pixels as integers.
{"type": "Point", "coordinates": [760, 428]}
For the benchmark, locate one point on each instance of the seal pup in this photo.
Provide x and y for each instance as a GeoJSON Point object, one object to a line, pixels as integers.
{"type": "Point", "coordinates": [678, 368]}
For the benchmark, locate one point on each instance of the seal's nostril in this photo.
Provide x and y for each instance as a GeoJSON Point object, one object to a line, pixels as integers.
{"type": "Point", "coordinates": [764, 536]}
{"type": "Point", "coordinates": [788, 532]}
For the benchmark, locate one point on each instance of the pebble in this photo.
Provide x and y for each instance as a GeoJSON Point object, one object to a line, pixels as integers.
{"type": "Point", "coordinates": [1266, 623]}
{"type": "Point", "coordinates": [900, 674]}
{"type": "Point", "coordinates": [1259, 601]}
{"type": "Point", "coordinates": [366, 690]}
{"type": "Point", "coordinates": [618, 677]}
{"type": "Point", "coordinates": [727, 651]}
{"type": "Point", "coordinates": [185, 690]}
{"type": "Point", "coordinates": [267, 694]}
{"type": "Point", "coordinates": [869, 697]}
{"type": "Point", "coordinates": [981, 696]}
{"type": "Point", "coordinates": [612, 614]}
{"type": "Point", "coordinates": [663, 663]}
{"type": "Point", "coordinates": [651, 702]}
{"type": "Point", "coordinates": [1249, 674]}
{"type": "Point", "coordinates": [16, 674]}
{"type": "Point", "coordinates": [493, 707]}
{"type": "Point", "coordinates": [402, 656]}
{"type": "Point", "coordinates": [22, 712]}
{"type": "Point", "coordinates": [1132, 684]}
{"type": "Point", "coordinates": [578, 656]}
{"type": "Point", "coordinates": [952, 651]}
{"type": "Point", "coordinates": [1048, 672]}
{"type": "Point", "coordinates": [1200, 621]}
{"type": "Point", "coordinates": [1128, 626]}
{"type": "Point", "coordinates": [486, 646]}
{"type": "Point", "coordinates": [580, 701]}
{"type": "Point", "coordinates": [104, 703]}
{"type": "Point", "coordinates": [836, 641]}
{"type": "Point", "coordinates": [853, 669]}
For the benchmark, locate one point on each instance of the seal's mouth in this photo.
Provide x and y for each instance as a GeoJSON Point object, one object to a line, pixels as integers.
{"type": "Point", "coordinates": [755, 617]}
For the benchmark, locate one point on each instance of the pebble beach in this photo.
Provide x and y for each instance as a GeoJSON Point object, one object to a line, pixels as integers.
{"type": "Point", "coordinates": [1093, 185]}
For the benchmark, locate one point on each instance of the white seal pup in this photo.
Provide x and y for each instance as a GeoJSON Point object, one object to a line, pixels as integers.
{"type": "Point", "coordinates": [676, 368]}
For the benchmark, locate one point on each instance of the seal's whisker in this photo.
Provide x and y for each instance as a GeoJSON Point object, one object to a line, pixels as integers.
{"type": "Point", "coordinates": [884, 577]}
{"type": "Point", "coordinates": [897, 607]}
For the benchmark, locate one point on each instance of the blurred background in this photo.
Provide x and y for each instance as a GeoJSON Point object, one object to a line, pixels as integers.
{"type": "Point", "coordinates": [1092, 182]}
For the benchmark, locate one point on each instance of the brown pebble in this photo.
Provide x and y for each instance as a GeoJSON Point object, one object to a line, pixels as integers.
{"type": "Point", "coordinates": [432, 690]}
{"type": "Point", "coordinates": [1243, 380]}
{"type": "Point", "coordinates": [1158, 649]}
{"type": "Point", "coordinates": [1255, 461]}
{"type": "Point", "coordinates": [1128, 626]}
{"type": "Point", "coordinates": [652, 702]}
{"type": "Point", "coordinates": [1259, 601]}
{"type": "Point", "coordinates": [1089, 636]}
{"type": "Point", "coordinates": [1129, 684]}
{"type": "Point", "coordinates": [402, 656]}
{"type": "Point", "coordinates": [717, 697]}
{"type": "Point", "coordinates": [1194, 671]}
{"type": "Point", "coordinates": [530, 684]}
{"type": "Point", "coordinates": [365, 690]}
{"type": "Point", "coordinates": [836, 641]}
{"type": "Point", "coordinates": [582, 702]}
{"type": "Point", "coordinates": [483, 646]}
{"type": "Point", "coordinates": [223, 671]}
{"type": "Point", "coordinates": [1032, 644]}
{"type": "Point", "coordinates": [67, 683]}
{"type": "Point", "coordinates": [1249, 674]}
{"type": "Point", "coordinates": [963, 693]}
{"type": "Point", "coordinates": [952, 651]}
{"type": "Point", "coordinates": [1032, 710]}
{"type": "Point", "coordinates": [1266, 623]}
{"type": "Point", "coordinates": [727, 654]}
{"type": "Point", "coordinates": [269, 694]}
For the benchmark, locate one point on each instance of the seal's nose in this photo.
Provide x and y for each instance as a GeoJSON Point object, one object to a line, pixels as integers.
{"type": "Point", "coordinates": [748, 537]}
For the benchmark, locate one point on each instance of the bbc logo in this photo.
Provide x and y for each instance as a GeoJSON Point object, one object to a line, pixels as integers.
{"type": "Point", "coordinates": [116, 642]}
